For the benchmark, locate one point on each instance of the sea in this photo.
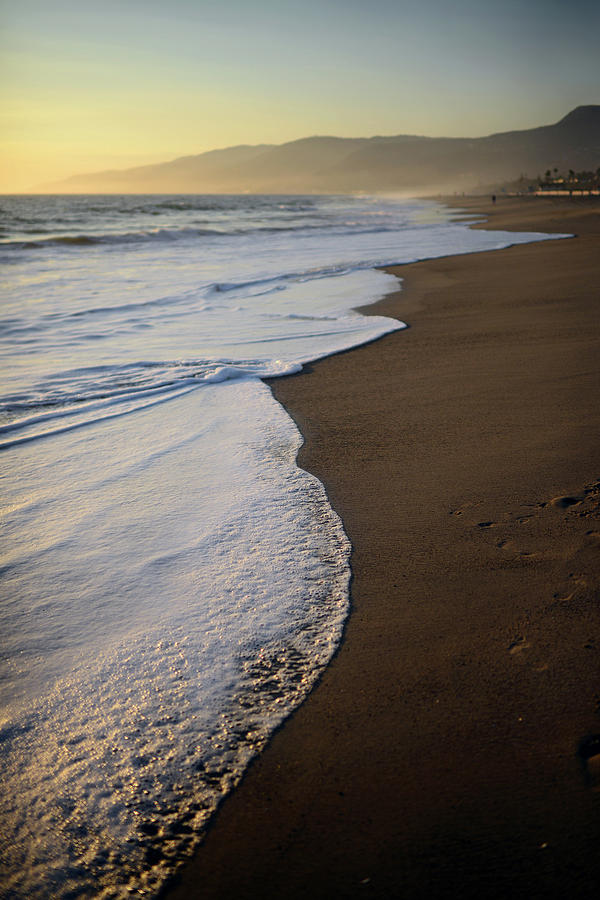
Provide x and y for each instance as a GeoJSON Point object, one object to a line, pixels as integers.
{"type": "Point", "coordinates": [172, 583]}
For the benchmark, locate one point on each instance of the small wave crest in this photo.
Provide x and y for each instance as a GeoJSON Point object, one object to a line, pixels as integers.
{"type": "Point", "coordinates": [107, 392]}
{"type": "Point", "coordinates": [128, 237]}
{"type": "Point", "coordinates": [224, 287]}
{"type": "Point", "coordinates": [42, 238]}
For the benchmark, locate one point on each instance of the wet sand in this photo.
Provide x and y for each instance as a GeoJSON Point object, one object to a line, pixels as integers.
{"type": "Point", "coordinates": [451, 748]}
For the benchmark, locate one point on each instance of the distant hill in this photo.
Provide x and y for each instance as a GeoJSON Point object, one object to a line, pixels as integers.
{"type": "Point", "coordinates": [405, 163]}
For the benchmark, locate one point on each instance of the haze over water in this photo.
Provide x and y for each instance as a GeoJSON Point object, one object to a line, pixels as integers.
{"type": "Point", "coordinates": [172, 583]}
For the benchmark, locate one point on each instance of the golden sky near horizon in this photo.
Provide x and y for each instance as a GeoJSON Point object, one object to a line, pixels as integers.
{"type": "Point", "coordinates": [88, 87]}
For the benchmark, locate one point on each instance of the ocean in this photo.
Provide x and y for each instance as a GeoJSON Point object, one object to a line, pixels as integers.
{"type": "Point", "coordinates": [172, 583]}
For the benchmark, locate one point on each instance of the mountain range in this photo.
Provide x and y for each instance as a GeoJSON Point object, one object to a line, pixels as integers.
{"type": "Point", "coordinates": [404, 163]}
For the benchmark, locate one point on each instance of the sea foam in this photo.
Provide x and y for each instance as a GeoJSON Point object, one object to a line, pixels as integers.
{"type": "Point", "coordinates": [177, 586]}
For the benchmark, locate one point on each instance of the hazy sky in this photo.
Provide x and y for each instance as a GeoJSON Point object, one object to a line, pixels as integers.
{"type": "Point", "coordinates": [114, 83]}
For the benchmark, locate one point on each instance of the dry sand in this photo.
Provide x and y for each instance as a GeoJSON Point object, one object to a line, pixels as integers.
{"type": "Point", "coordinates": [449, 749]}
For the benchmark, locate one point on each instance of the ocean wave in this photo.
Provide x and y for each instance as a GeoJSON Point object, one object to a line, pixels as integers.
{"type": "Point", "coordinates": [99, 392]}
{"type": "Point", "coordinates": [42, 238]}
{"type": "Point", "coordinates": [128, 237]}
{"type": "Point", "coordinates": [159, 302]}
{"type": "Point", "coordinates": [37, 426]}
{"type": "Point", "coordinates": [301, 276]}
{"type": "Point", "coordinates": [41, 242]}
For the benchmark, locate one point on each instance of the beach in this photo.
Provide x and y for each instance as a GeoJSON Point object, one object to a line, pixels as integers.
{"type": "Point", "coordinates": [176, 584]}
{"type": "Point", "coordinates": [451, 747]}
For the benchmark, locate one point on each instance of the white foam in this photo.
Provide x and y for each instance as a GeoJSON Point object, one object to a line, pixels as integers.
{"type": "Point", "coordinates": [189, 584]}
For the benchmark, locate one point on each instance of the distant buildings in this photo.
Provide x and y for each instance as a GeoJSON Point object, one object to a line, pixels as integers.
{"type": "Point", "coordinates": [575, 183]}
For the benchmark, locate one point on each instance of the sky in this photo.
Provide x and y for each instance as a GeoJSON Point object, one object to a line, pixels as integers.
{"type": "Point", "coordinates": [88, 86]}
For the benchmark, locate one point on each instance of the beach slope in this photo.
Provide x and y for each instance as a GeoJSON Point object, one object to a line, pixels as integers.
{"type": "Point", "coordinates": [452, 746]}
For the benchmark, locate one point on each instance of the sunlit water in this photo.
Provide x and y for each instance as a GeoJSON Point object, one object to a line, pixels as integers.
{"type": "Point", "coordinates": [173, 584]}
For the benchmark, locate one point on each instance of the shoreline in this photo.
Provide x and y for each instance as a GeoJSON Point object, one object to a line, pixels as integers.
{"type": "Point", "coordinates": [438, 755]}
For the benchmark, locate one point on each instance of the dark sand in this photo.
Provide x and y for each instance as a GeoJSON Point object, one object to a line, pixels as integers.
{"type": "Point", "coordinates": [439, 755]}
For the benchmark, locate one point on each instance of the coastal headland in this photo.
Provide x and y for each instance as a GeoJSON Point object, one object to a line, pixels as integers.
{"type": "Point", "coordinates": [452, 747]}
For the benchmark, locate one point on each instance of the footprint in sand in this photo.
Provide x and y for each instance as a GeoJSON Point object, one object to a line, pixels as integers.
{"type": "Point", "coordinates": [518, 645]}
{"type": "Point", "coordinates": [588, 753]}
{"type": "Point", "coordinates": [511, 547]}
{"type": "Point", "coordinates": [566, 502]}
{"type": "Point", "coordinates": [589, 498]}
{"type": "Point", "coordinates": [576, 584]}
